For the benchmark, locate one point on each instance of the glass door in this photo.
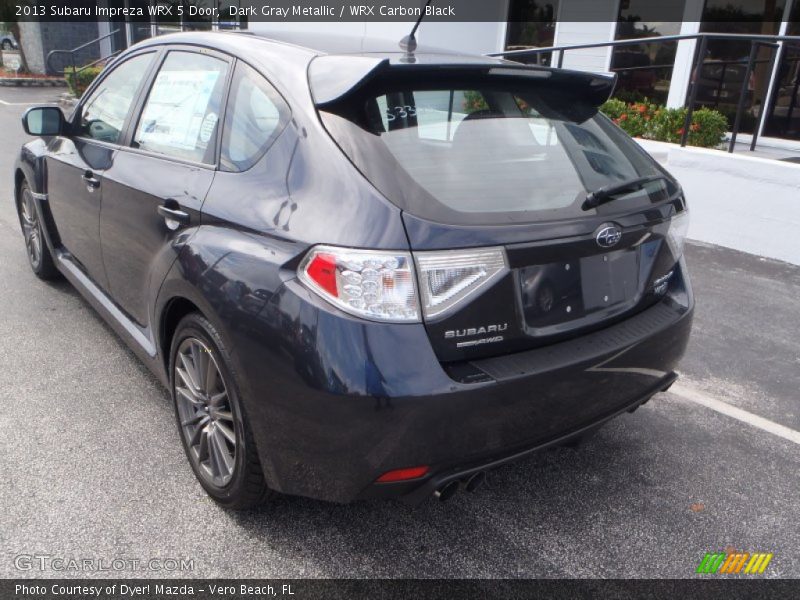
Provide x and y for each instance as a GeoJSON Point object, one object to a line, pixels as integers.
{"type": "Point", "coordinates": [532, 24]}
{"type": "Point", "coordinates": [645, 70]}
{"type": "Point", "coordinates": [783, 119]}
{"type": "Point", "coordinates": [721, 73]}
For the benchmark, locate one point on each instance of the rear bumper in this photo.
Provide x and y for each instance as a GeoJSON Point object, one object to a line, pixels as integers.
{"type": "Point", "coordinates": [414, 493]}
{"type": "Point", "coordinates": [334, 402]}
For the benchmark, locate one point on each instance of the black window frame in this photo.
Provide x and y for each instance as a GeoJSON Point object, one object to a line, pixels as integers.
{"type": "Point", "coordinates": [283, 106]}
{"type": "Point", "coordinates": [144, 94]}
{"type": "Point", "coordinates": [77, 115]}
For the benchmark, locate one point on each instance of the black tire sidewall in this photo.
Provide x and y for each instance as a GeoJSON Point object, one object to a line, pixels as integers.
{"type": "Point", "coordinates": [45, 269]}
{"type": "Point", "coordinates": [197, 326]}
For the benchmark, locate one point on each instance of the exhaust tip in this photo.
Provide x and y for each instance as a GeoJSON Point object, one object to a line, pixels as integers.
{"type": "Point", "coordinates": [447, 491]}
{"type": "Point", "coordinates": [476, 481]}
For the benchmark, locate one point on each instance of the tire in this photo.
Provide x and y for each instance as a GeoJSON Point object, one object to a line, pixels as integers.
{"type": "Point", "coordinates": [212, 423]}
{"type": "Point", "coordinates": [7, 45]}
{"type": "Point", "coordinates": [39, 257]}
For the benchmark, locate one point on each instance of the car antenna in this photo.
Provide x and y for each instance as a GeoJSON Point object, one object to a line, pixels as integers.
{"type": "Point", "coordinates": [409, 43]}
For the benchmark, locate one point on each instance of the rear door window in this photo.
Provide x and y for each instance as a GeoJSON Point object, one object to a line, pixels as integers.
{"type": "Point", "coordinates": [256, 115]}
{"type": "Point", "coordinates": [180, 118]}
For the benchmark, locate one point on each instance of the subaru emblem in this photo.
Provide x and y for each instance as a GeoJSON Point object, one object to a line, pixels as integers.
{"type": "Point", "coordinates": [608, 235]}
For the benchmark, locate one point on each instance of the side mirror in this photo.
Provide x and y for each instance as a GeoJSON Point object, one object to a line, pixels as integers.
{"type": "Point", "coordinates": [44, 121]}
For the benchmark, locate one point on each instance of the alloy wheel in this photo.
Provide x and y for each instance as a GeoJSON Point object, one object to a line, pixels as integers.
{"type": "Point", "coordinates": [31, 229]}
{"type": "Point", "coordinates": [205, 412]}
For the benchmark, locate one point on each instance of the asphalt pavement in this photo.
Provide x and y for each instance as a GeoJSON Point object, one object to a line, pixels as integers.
{"type": "Point", "coordinates": [91, 466]}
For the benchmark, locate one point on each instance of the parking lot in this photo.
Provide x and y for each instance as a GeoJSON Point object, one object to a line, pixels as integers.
{"type": "Point", "coordinates": [91, 465]}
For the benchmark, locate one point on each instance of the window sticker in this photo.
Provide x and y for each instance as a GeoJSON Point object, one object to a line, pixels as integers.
{"type": "Point", "coordinates": [176, 110]}
{"type": "Point", "coordinates": [207, 128]}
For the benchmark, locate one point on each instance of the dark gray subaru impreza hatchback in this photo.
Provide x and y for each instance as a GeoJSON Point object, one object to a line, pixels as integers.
{"type": "Point", "coordinates": [362, 272]}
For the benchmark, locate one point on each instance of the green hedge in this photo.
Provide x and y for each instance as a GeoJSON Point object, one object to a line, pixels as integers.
{"type": "Point", "coordinates": [653, 122]}
{"type": "Point", "coordinates": [78, 82]}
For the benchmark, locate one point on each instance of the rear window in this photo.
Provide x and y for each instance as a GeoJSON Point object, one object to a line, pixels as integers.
{"type": "Point", "coordinates": [490, 153]}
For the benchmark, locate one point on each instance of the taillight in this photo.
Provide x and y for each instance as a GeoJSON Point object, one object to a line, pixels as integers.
{"type": "Point", "coordinates": [372, 284]}
{"type": "Point", "coordinates": [449, 277]}
{"type": "Point", "coordinates": [678, 230]}
{"type": "Point", "coordinates": [381, 285]}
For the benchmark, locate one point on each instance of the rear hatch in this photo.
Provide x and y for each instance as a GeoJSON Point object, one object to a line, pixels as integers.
{"type": "Point", "coordinates": [532, 218]}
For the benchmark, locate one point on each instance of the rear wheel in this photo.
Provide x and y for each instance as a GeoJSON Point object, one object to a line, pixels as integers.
{"type": "Point", "coordinates": [211, 420]}
{"type": "Point", "coordinates": [7, 45]}
{"type": "Point", "coordinates": [39, 257]}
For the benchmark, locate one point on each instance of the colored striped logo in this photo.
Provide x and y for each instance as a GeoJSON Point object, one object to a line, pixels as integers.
{"type": "Point", "coordinates": [734, 562]}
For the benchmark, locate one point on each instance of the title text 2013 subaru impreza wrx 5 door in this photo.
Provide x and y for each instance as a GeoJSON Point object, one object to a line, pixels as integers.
{"type": "Point", "coordinates": [362, 273]}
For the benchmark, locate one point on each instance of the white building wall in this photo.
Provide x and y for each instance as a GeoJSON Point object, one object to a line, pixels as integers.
{"type": "Point", "coordinates": [587, 22]}
{"type": "Point", "coordinates": [578, 22]}
{"type": "Point", "coordinates": [471, 38]}
{"type": "Point", "coordinates": [353, 29]}
{"type": "Point", "coordinates": [681, 75]}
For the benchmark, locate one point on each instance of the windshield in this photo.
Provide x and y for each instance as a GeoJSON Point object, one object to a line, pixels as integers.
{"type": "Point", "coordinates": [488, 154]}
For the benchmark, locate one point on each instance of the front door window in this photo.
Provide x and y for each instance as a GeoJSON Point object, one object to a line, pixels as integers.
{"type": "Point", "coordinates": [104, 112]}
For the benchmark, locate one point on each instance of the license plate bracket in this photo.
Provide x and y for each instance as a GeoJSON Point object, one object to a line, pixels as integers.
{"type": "Point", "coordinates": [609, 279]}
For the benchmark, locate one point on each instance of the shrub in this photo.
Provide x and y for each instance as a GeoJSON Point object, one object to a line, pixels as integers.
{"type": "Point", "coordinates": [474, 101]}
{"type": "Point", "coordinates": [708, 128]}
{"type": "Point", "coordinates": [667, 125]}
{"type": "Point", "coordinates": [613, 108]}
{"type": "Point", "coordinates": [81, 79]}
{"type": "Point", "coordinates": [653, 122]}
{"type": "Point", "coordinates": [634, 118]}
{"type": "Point", "coordinates": [630, 96]}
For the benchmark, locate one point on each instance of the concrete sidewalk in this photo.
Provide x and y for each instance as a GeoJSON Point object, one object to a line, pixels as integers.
{"type": "Point", "coordinates": [747, 203]}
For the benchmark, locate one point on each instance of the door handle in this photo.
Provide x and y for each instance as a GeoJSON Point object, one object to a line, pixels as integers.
{"type": "Point", "coordinates": [91, 181]}
{"type": "Point", "coordinates": [174, 217]}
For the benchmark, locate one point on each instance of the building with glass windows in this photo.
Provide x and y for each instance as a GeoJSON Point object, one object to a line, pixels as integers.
{"type": "Point", "coordinates": [663, 71]}
{"type": "Point", "coordinates": [660, 71]}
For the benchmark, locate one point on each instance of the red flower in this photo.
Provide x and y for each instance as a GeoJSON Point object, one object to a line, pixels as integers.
{"type": "Point", "coordinates": [695, 127]}
{"type": "Point", "coordinates": [623, 116]}
{"type": "Point", "coordinates": [680, 131]}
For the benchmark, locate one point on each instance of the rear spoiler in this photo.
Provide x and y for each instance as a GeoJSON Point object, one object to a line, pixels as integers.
{"type": "Point", "coordinates": [334, 77]}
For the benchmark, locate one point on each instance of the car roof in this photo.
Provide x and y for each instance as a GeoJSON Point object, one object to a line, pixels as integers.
{"type": "Point", "coordinates": [284, 57]}
{"type": "Point", "coordinates": [341, 62]}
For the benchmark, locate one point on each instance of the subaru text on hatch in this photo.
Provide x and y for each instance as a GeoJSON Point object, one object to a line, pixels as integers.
{"type": "Point", "coordinates": [362, 272]}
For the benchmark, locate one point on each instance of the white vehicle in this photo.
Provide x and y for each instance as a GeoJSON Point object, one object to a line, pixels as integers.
{"type": "Point", "coordinates": [7, 41]}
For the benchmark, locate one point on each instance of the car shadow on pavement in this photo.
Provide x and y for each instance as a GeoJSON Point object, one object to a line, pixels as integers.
{"type": "Point", "coordinates": [561, 497]}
